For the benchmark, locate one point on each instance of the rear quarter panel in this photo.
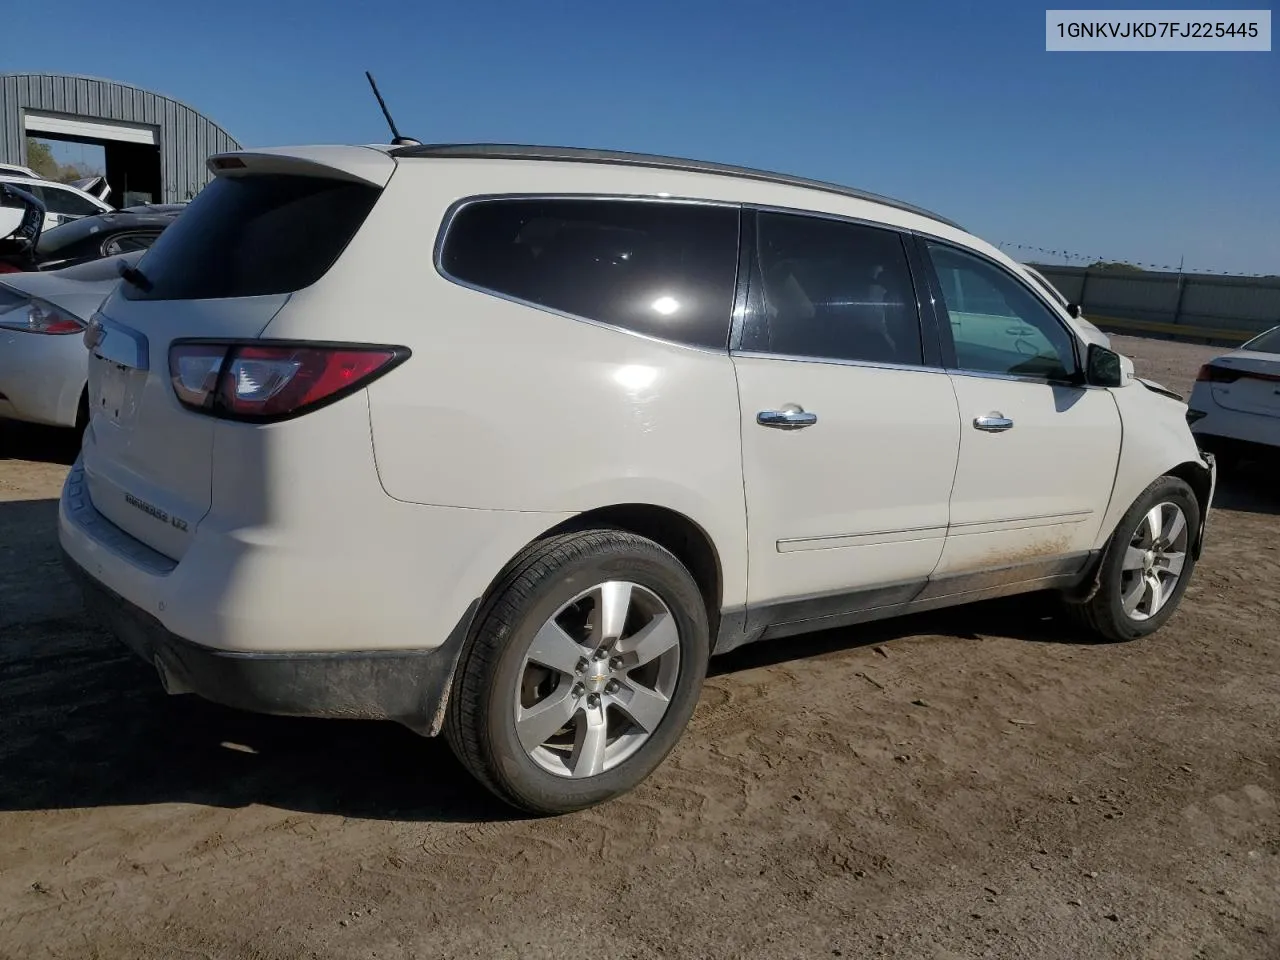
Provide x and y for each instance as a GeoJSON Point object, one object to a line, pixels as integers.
{"type": "Point", "coordinates": [507, 407]}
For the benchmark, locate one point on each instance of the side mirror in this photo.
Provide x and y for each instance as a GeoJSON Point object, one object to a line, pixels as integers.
{"type": "Point", "coordinates": [1074, 311]}
{"type": "Point", "coordinates": [1106, 368]}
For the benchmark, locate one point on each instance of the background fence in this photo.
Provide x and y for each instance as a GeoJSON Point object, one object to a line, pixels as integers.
{"type": "Point", "coordinates": [1204, 307]}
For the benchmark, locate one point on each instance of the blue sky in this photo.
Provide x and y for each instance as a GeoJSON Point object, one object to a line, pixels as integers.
{"type": "Point", "coordinates": [957, 107]}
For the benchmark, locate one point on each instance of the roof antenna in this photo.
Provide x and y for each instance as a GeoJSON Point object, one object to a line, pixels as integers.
{"type": "Point", "coordinates": [396, 139]}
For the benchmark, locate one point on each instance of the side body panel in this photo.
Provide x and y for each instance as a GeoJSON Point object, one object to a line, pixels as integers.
{"type": "Point", "coordinates": [508, 407]}
{"type": "Point", "coordinates": [1037, 490]}
{"type": "Point", "coordinates": [1156, 441]}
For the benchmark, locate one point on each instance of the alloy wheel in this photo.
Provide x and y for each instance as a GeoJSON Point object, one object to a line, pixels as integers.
{"type": "Point", "coordinates": [597, 679]}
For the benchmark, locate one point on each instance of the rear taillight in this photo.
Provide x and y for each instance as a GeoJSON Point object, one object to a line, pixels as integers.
{"type": "Point", "coordinates": [40, 316]}
{"type": "Point", "coordinates": [1211, 373]}
{"type": "Point", "coordinates": [262, 381]}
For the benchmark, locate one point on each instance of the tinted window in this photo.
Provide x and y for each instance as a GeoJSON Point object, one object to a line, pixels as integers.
{"type": "Point", "coordinates": [71, 204]}
{"type": "Point", "coordinates": [128, 243]}
{"type": "Point", "coordinates": [832, 290]}
{"type": "Point", "coordinates": [253, 235]}
{"type": "Point", "coordinates": [1268, 342]}
{"type": "Point", "coordinates": [664, 269]}
{"type": "Point", "coordinates": [997, 324]}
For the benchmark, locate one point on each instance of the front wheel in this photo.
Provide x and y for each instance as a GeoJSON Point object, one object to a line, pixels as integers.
{"type": "Point", "coordinates": [1147, 564]}
{"type": "Point", "coordinates": [583, 670]}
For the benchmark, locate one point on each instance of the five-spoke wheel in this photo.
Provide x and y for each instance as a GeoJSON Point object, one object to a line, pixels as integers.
{"type": "Point", "coordinates": [1147, 563]}
{"type": "Point", "coordinates": [584, 667]}
{"type": "Point", "coordinates": [597, 679]}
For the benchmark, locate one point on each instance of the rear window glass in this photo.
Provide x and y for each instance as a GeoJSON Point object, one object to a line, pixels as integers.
{"type": "Point", "coordinates": [254, 235]}
{"type": "Point", "coordinates": [663, 269]}
{"type": "Point", "coordinates": [1268, 342]}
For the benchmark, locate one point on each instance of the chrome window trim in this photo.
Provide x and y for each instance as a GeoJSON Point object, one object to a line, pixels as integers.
{"type": "Point", "coordinates": [458, 206]}
{"type": "Point", "coordinates": [870, 364]}
{"type": "Point", "coordinates": [1021, 378]}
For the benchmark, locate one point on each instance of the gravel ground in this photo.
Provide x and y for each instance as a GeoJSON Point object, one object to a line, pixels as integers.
{"type": "Point", "coordinates": [981, 782]}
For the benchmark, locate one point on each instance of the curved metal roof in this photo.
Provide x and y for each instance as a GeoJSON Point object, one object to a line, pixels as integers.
{"type": "Point", "coordinates": [127, 86]}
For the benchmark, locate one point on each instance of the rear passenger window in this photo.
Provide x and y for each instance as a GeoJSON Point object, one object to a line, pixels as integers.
{"type": "Point", "coordinates": [832, 290]}
{"type": "Point", "coordinates": [663, 269]}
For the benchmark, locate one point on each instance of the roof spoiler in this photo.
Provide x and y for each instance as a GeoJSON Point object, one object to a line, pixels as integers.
{"type": "Point", "coordinates": [357, 164]}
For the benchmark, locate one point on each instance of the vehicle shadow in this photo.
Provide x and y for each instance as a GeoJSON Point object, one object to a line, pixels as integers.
{"type": "Point", "coordinates": [1034, 618]}
{"type": "Point", "coordinates": [86, 724]}
{"type": "Point", "coordinates": [26, 441]}
{"type": "Point", "coordinates": [1249, 487]}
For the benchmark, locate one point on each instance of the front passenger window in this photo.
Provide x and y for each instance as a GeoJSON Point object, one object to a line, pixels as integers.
{"type": "Point", "coordinates": [997, 324]}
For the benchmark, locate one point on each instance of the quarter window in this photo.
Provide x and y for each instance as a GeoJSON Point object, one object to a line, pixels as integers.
{"type": "Point", "coordinates": [832, 290]}
{"type": "Point", "coordinates": [663, 269]}
{"type": "Point", "coordinates": [997, 324]}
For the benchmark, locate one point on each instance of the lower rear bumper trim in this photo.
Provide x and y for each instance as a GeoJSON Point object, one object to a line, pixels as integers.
{"type": "Point", "coordinates": [411, 688]}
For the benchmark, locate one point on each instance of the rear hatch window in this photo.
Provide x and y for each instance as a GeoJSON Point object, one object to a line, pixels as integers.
{"type": "Point", "coordinates": [254, 235]}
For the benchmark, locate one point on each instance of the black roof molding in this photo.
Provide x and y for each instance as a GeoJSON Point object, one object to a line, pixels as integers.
{"type": "Point", "coordinates": [511, 151]}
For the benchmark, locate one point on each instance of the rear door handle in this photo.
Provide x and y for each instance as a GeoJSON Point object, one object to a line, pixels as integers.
{"type": "Point", "coordinates": [790, 417]}
{"type": "Point", "coordinates": [994, 422]}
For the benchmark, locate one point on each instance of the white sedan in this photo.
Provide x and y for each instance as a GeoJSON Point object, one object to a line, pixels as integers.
{"type": "Point", "coordinates": [1235, 407]}
{"type": "Point", "coordinates": [43, 362]}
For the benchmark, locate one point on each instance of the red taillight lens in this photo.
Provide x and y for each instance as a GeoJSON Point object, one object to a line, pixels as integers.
{"type": "Point", "coordinates": [1210, 373]}
{"type": "Point", "coordinates": [272, 381]}
{"type": "Point", "coordinates": [40, 316]}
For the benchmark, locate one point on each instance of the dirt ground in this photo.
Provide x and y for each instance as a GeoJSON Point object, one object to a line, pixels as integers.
{"type": "Point", "coordinates": [981, 782]}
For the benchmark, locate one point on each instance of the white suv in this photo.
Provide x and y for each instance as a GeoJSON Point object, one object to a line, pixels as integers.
{"type": "Point", "coordinates": [507, 441]}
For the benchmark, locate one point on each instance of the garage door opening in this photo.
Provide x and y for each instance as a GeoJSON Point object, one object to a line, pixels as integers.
{"type": "Point", "coordinates": [129, 153]}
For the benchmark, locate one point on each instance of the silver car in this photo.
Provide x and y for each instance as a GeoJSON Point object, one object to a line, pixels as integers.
{"type": "Point", "coordinates": [43, 362]}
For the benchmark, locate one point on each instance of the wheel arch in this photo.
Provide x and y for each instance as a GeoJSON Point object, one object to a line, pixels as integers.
{"type": "Point", "coordinates": [670, 529]}
{"type": "Point", "coordinates": [1200, 479]}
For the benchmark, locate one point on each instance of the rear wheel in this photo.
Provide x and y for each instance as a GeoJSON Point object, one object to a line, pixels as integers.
{"type": "Point", "coordinates": [1147, 564]}
{"type": "Point", "coordinates": [583, 670]}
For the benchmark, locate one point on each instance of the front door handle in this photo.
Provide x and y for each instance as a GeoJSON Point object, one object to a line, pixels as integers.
{"type": "Point", "coordinates": [994, 422]}
{"type": "Point", "coordinates": [790, 417]}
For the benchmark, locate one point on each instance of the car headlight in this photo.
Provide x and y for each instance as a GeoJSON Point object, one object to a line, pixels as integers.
{"type": "Point", "coordinates": [40, 316]}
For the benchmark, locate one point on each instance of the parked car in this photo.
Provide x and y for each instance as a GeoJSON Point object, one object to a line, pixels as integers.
{"type": "Point", "coordinates": [1235, 404]}
{"type": "Point", "coordinates": [503, 489]}
{"type": "Point", "coordinates": [63, 201]}
{"type": "Point", "coordinates": [106, 235]}
{"type": "Point", "coordinates": [1092, 333]}
{"type": "Point", "coordinates": [43, 363]}
{"type": "Point", "coordinates": [16, 170]}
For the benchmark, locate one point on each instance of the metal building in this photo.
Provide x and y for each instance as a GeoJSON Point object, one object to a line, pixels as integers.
{"type": "Point", "coordinates": [155, 146]}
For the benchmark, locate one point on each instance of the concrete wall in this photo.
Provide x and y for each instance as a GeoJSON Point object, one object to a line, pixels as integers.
{"type": "Point", "coordinates": [1194, 306]}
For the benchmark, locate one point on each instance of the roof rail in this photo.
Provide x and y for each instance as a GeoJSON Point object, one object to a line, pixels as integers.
{"type": "Point", "coordinates": [511, 151]}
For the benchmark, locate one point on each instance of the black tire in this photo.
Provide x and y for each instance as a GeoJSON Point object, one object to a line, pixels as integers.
{"type": "Point", "coordinates": [1104, 613]}
{"type": "Point", "coordinates": [82, 415]}
{"type": "Point", "coordinates": [480, 725]}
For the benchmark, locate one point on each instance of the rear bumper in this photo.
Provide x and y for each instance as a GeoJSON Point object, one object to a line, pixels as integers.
{"type": "Point", "coordinates": [409, 688]}
{"type": "Point", "coordinates": [1230, 429]}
